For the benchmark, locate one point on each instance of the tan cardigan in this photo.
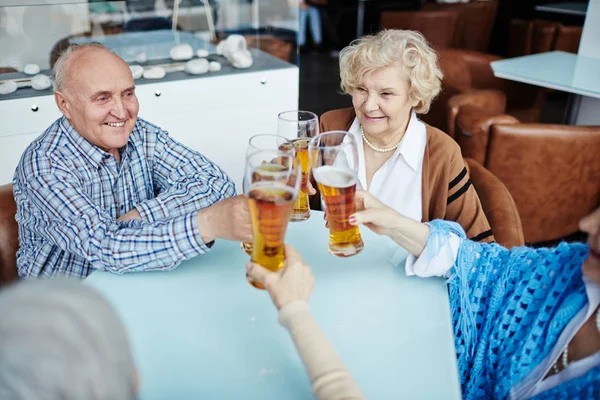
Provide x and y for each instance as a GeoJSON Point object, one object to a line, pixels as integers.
{"type": "Point", "coordinates": [447, 190]}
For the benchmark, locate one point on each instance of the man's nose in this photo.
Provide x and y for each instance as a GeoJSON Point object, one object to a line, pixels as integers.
{"type": "Point", "coordinates": [119, 110]}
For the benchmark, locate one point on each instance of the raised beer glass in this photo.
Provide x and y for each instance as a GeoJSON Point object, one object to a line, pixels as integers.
{"type": "Point", "coordinates": [263, 142]}
{"type": "Point", "coordinates": [299, 127]}
{"type": "Point", "coordinates": [273, 183]}
{"type": "Point", "coordinates": [334, 161]}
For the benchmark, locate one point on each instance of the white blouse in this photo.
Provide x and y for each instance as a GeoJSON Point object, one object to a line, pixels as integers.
{"type": "Point", "coordinates": [399, 181]}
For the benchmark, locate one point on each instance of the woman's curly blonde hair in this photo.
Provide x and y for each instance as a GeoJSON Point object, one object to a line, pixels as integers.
{"type": "Point", "coordinates": [407, 48]}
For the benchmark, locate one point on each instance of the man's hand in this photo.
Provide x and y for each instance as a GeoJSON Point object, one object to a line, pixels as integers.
{"type": "Point", "coordinates": [226, 219]}
{"type": "Point", "coordinates": [294, 281]}
{"type": "Point", "coordinates": [129, 215]}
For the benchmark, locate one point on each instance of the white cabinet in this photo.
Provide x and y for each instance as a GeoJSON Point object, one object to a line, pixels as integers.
{"type": "Point", "coordinates": [215, 115]}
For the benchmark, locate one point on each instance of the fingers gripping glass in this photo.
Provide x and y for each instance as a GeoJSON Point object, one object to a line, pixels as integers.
{"type": "Point", "coordinates": [334, 161]}
{"type": "Point", "coordinates": [273, 183]}
{"type": "Point", "coordinates": [299, 127]}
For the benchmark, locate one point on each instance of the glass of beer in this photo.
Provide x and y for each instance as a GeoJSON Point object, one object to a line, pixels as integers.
{"type": "Point", "coordinates": [273, 183]}
{"type": "Point", "coordinates": [264, 142]}
{"type": "Point", "coordinates": [299, 127]}
{"type": "Point", "coordinates": [334, 161]}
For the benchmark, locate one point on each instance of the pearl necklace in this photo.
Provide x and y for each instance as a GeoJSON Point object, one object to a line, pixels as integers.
{"type": "Point", "coordinates": [565, 355]}
{"type": "Point", "coordinates": [375, 148]}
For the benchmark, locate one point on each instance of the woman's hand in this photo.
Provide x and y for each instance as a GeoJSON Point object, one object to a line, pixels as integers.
{"type": "Point", "coordinates": [375, 215]}
{"type": "Point", "coordinates": [384, 220]}
{"type": "Point", "coordinates": [294, 281]}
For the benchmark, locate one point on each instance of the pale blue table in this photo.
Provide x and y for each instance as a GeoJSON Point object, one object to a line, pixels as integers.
{"type": "Point", "coordinates": [202, 332]}
{"type": "Point", "coordinates": [559, 70]}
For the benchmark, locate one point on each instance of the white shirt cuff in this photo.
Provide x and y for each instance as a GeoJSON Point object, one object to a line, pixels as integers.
{"type": "Point", "coordinates": [439, 265]}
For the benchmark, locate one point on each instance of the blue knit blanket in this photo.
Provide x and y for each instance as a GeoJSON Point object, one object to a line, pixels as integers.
{"type": "Point", "coordinates": [509, 308]}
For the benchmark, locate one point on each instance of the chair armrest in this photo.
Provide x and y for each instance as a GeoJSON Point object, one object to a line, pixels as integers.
{"type": "Point", "coordinates": [473, 131]}
{"type": "Point", "coordinates": [491, 101]}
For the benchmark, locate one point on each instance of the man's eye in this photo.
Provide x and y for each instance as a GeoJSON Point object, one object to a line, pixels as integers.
{"type": "Point", "coordinates": [102, 99]}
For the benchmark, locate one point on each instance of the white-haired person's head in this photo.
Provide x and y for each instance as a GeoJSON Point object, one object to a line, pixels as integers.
{"type": "Point", "coordinates": [60, 339]}
{"type": "Point", "coordinates": [407, 51]}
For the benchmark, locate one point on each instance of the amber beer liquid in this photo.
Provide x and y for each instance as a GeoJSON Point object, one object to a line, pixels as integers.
{"type": "Point", "coordinates": [301, 211]}
{"type": "Point", "coordinates": [270, 206]}
{"type": "Point", "coordinates": [338, 188]}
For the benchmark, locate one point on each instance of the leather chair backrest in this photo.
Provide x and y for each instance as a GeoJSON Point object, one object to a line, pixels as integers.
{"type": "Point", "coordinates": [540, 36]}
{"type": "Point", "coordinates": [9, 235]}
{"type": "Point", "coordinates": [440, 28]}
{"type": "Point", "coordinates": [490, 102]}
{"type": "Point", "coordinates": [498, 205]}
{"type": "Point", "coordinates": [544, 33]}
{"type": "Point", "coordinates": [568, 38]}
{"type": "Point", "coordinates": [476, 20]}
{"type": "Point", "coordinates": [520, 37]}
{"type": "Point", "coordinates": [473, 124]}
{"type": "Point", "coordinates": [552, 173]}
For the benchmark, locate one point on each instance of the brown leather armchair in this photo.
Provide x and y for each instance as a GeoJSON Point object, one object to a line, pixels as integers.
{"type": "Point", "coordinates": [9, 235]}
{"type": "Point", "coordinates": [498, 205]}
{"type": "Point", "coordinates": [475, 21]}
{"type": "Point", "coordinates": [551, 171]}
{"type": "Point", "coordinates": [540, 36]}
{"type": "Point", "coordinates": [440, 28]}
{"type": "Point", "coordinates": [466, 71]}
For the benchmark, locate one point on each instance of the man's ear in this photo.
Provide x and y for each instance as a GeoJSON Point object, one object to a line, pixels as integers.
{"type": "Point", "coordinates": [63, 104]}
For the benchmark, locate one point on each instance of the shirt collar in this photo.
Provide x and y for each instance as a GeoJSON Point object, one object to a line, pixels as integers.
{"type": "Point", "coordinates": [410, 145]}
{"type": "Point", "coordinates": [93, 153]}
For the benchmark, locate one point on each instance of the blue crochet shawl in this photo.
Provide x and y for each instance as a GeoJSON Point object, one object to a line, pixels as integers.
{"type": "Point", "coordinates": [508, 310]}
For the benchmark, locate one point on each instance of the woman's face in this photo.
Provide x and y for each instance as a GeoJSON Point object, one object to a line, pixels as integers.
{"type": "Point", "coordinates": [382, 103]}
{"type": "Point", "coordinates": [591, 265]}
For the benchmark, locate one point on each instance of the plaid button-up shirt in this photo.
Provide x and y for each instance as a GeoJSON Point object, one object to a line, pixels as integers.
{"type": "Point", "coordinates": [69, 194]}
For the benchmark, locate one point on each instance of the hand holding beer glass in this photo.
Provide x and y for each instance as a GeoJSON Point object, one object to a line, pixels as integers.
{"type": "Point", "coordinates": [273, 179]}
{"type": "Point", "coordinates": [334, 161]}
{"type": "Point", "coordinates": [299, 127]}
{"type": "Point", "coordinates": [263, 142]}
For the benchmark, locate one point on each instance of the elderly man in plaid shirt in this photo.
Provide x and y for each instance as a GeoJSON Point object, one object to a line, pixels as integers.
{"type": "Point", "coordinates": [103, 189]}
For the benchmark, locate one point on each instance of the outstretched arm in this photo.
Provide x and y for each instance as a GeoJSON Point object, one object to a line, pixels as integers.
{"type": "Point", "coordinates": [290, 289]}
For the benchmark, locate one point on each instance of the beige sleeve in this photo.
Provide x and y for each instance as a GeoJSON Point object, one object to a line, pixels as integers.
{"type": "Point", "coordinates": [329, 377]}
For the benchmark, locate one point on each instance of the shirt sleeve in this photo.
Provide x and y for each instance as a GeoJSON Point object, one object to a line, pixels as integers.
{"type": "Point", "coordinates": [185, 181]}
{"type": "Point", "coordinates": [68, 218]}
{"type": "Point", "coordinates": [439, 265]}
{"type": "Point", "coordinates": [329, 378]}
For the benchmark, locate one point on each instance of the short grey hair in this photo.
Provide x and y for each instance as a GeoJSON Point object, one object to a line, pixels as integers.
{"type": "Point", "coordinates": [59, 72]}
{"type": "Point", "coordinates": [61, 340]}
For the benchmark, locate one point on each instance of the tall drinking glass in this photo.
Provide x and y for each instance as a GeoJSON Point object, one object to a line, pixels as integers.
{"type": "Point", "coordinates": [264, 142]}
{"type": "Point", "coordinates": [299, 127]}
{"type": "Point", "coordinates": [334, 161]}
{"type": "Point", "coordinates": [273, 183]}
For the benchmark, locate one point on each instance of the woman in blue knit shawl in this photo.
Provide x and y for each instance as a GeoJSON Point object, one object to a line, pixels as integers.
{"type": "Point", "coordinates": [526, 321]}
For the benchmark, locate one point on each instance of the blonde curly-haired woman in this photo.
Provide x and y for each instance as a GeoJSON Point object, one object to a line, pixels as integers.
{"type": "Point", "coordinates": [412, 167]}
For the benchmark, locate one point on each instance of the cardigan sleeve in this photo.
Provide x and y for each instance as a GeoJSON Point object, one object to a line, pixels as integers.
{"type": "Point", "coordinates": [463, 204]}
{"type": "Point", "coordinates": [330, 379]}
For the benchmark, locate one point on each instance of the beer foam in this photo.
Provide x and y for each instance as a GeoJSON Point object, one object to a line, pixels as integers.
{"type": "Point", "coordinates": [334, 176]}
{"type": "Point", "coordinates": [272, 186]}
